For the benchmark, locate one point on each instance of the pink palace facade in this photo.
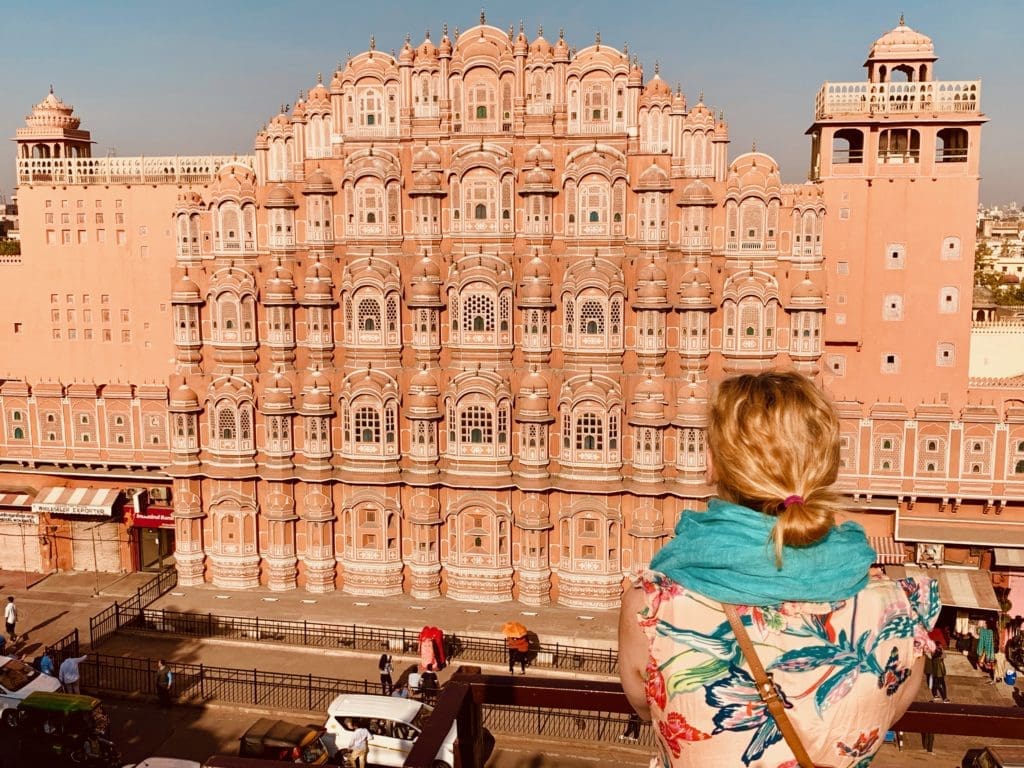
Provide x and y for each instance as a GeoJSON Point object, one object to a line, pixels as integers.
{"type": "Point", "coordinates": [452, 327]}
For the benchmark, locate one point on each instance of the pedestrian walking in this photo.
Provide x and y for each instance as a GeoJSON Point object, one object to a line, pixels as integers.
{"type": "Point", "coordinates": [939, 692]}
{"type": "Point", "coordinates": [68, 674]}
{"type": "Point", "coordinates": [385, 667]}
{"type": "Point", "coordinates": [164, 681]}
{"type": "Point", "coordinates": [632, 730]}
{"type": "Point", "coordinates": [11, 618]}
{"type": "Point", "coordinates": [518, 648]}
{"type": "Point", "coordinates": [928, 670]}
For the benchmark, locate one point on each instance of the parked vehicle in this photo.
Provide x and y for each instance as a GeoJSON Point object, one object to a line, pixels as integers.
{"type": "Point", "coordinates": [284, 741]}
{"type": "Point", "coordinates": [59, 729]}
{"type": "Point", "coordinates": [394, 725]}
{"type": "Point", "coordinates": [18, 680]}
{"type": "Point", "coordinates": [994, 757]}
{"type": "Point", "coordinates": [165, 762]}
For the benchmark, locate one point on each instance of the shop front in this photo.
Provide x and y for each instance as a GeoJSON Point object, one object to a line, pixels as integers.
{"type": "Point", "coordinates": [89, 536]}
{"type": "Point", "coordinates": [152, 535]}
{"type": "Point", "coordinates": [19, 533]}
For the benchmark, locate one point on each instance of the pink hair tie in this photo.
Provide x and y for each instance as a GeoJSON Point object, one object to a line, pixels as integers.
{"type": "Point", "coordinates": [791, 500]}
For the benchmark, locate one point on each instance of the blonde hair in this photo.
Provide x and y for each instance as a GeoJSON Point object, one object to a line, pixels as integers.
{"type": "Point", "coordinates": [774, 442]}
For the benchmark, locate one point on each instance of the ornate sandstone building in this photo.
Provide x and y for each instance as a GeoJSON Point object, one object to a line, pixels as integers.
{"type": "Point", "coordinates": [451, 330]}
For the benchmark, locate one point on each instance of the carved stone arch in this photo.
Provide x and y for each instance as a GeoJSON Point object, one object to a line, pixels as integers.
{"type": "Point", "coordinates": [751, 282]}
{"type": "Point", "coordinates": [595, 272]}
{"type": "Point", "coordinates": [424, 509]}
{"type": "Point", "coordinates": [374, 162]}
{"type": "Point", "coordinates": [317, 505]}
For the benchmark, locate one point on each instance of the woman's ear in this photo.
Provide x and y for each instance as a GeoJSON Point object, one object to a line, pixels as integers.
{"type": "Point", "coordinates": [709, 473]}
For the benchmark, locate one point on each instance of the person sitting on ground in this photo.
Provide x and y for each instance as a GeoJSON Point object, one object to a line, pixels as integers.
{"type": "Point", "coordinates": [400, 692]}
{"type": "Point", "coordinates": [768, 550]}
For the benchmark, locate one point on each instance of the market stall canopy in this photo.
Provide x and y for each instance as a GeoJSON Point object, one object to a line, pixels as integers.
{"type": "Point", "coordinates": [92, 502]}
{"type": "Point", "coordinates": [888, 550]}
{"type": "Point", "coordinates": [957, 587]}
{"type": "Point", "coordinates": [1009, 558]}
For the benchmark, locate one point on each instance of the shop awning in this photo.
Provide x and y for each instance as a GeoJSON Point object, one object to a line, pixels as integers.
{"type": "Point", "coordinates": [960, 588]}
{"type": "Point", "coordinates": [1009, 558]}
{"type": "Point", "coordinates": [93, 502]}
{"type": "Point", "coordinates": [994, 532]}
{"type": "Point", "coordinates": [154, 517]}
{"type": "Point", "coordinates": [15, 499]}
{"type": "Point", "coordinates": [889, 551]}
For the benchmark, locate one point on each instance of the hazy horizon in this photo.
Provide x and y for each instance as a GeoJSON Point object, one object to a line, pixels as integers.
{"type": "Point", "coordinates": [191, 78]}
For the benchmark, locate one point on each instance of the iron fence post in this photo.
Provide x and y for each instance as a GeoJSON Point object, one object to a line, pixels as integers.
{"type": "Point", "coordinates": [305, 632]}
{"type": "Point", "coordinates": [257, 628]}
{"type": "Point", "coordinates": [209, 625]}
{"type": "Point", "coordinates": [117, 615]}
{"type": "Point", "coordinates": [309, 688]}
{"type": "Point", "coordinates": [255, 686]}
{"type": "Point", "coordinates": [202, 683]}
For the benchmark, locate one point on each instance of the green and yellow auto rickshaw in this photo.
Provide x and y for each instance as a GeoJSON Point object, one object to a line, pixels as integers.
{"type": "Point", "coordinates": [61, 729]}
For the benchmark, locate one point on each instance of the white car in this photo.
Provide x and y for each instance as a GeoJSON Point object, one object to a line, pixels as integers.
{"type": "Point", "coordinates": [18, 680]}
{"type": "Point", "coordinates": [394, 725]}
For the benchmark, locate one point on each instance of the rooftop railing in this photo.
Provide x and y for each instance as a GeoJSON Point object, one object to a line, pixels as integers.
{"type": "Point", "coordinates": [834, 99]}
{"type": "Point", "coordinates": [125, 170]}
{"type": "Point", "coordinates": [470, 699]}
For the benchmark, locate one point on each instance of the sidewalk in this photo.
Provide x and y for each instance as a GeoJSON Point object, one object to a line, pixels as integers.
{"type": "Point", "coordinates": [552, 623]}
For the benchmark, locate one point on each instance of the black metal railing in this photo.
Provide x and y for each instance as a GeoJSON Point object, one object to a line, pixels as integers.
{"type": "Point", "coordinates": [114, 617]}
{"type": "Point", "coordinates": [199, 683]}
{"type": "Point", "coordinates": [66, 647]}
{"type": "Point", "coordinates": [470, 699]}
{"type": "Point", "coordinates": [464, 648]}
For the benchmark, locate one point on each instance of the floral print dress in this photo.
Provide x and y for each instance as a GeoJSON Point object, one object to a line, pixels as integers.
{"type": "Point", "coordinates": [845, 672]}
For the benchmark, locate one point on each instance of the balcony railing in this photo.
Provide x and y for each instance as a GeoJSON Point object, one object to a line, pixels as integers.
{"type": "Point", "coordinates": [125, 170]}
{"type": "Point", "coordinates": [932, 96]}
{"type": "Point", "coordinates": [599, 710]}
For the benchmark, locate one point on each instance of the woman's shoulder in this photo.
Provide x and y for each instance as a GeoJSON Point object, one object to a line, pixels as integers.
{"type": "Point", "coordinates": [917, 595]}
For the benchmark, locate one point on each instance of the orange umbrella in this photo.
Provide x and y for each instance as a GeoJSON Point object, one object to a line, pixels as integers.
{"type": "Point", "coordinates": [513, 629]}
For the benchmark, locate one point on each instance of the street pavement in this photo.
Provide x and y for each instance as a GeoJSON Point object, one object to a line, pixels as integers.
{"type": "Point", "coordinates": [52, 605]}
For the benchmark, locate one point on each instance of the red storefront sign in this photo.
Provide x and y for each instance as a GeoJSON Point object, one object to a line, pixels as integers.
{"type": "Point", "coordinates": [154, 517]}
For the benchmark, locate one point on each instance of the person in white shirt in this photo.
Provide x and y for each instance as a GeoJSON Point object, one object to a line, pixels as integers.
{"type": "Point", "coordinates": [69, 674]}
{"type": "Point", "coordinates": [360, 747]}
{"type": "Point", "coordinates": [11, 618]}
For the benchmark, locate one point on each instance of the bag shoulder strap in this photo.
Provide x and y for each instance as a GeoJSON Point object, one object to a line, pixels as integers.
{"type": "Point", "coordinates": [766, 688]}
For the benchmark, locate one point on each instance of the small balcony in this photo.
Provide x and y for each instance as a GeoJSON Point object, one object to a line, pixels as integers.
{"type": "Point", "coordinates": [859, 98]}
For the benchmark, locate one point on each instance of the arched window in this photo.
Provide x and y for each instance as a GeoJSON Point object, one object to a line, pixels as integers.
{"type": "Point", "coordinates": [951, 146]}
{"type": "Point", "coordinates": [371, 107]}
{"type": "Point", "coordinates": [19, 433]}
{"type": "Point", "coordinates": [848, 146]}
{"type": "Point", "coordinates": [899, 146]}
{"type": "Point", "coordinates": [369, 315]}
{"type": "Point", "coordinates": [478, 312]}
{"type": "Point", "coordinates": [226, 424]}
{"type": "Point", "coordinates": [476, 425]}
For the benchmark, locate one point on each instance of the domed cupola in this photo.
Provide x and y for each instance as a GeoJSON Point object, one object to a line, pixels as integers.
{"type": "Point", "coordinates": [904, 50]}
{"type": "Point", "coordinates": [806, 294]}
{"type": "Point", "coordinates": [183, 400]}
{"type": "Point", "coordinates": [426, 284]}
{"type": "Point", "coordinates": [280, 197]}
{"type": "Point", "coordinates": [277, 398]}
{"type": "Point", "coordinates": [695, 289]}
{"type": "Point", "coordinates": [185, 291]}
{"type": "Point", "coordinates": [318, 183]}
{"type": "Point", "coordinates": [651, 287]}
{"type": "Point", "coordinates": [318, 286]}
{"type": "Point", "coordinates": [422, 401]}
{"type": "Point", "coordinates": [561, 50]}
{"type": "Point", "coordinates": [648, 404]}
{"type": "Point", "coordinates": [535, 288]}
{"type": "Point", "coordinates": [532, 404]}
{"type": "Point", "coordinates": [280, 288]}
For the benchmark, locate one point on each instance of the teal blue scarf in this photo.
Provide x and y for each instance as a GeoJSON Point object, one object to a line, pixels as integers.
{"type": "Point", "coordinates": [727, 554]}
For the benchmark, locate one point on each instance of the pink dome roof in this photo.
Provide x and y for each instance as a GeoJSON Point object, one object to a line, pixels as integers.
{"type": "Point", "coordinates": [697, 193]}
{"type": "Point", "coordinates": [426, 50]}
{"type": "Point", "coordinates": [281, 197]}
{"type": "Point", "coordinates": [277, 397]}
{"type": "Point", "coordinates": [902, 42]}
{"type": "Point", "coordinates": [695, 286]}
{"type": "Point", "coordinates": [536, 383]}
{"type": "Point", "coordinates": [541, 47]}
{"type": "Point", "coordinates": [184, 398]}
{"type": "Point", "coordinates": [561, 49]}
{"type": "Point", "coordinates": [316, 399]}
{"type": "Point", "coordinates": [537, 176]}
{"type": "Point", "coordinates": [186, 286]}
{"type": "Point", "coordinates": [51, 112]}
{"type": "Point", "coordinates": [806, 289]}
{"type": "Point", "coordinates": [657, 87]}
{"type": "Point", "coordinates": [406, 55]}
{"type": "Point", "coordinates": [319, 183]}
{"type": "Point", "coordinates": [650, 273]}
{"type": "Point", "coordinates": [537, 267]}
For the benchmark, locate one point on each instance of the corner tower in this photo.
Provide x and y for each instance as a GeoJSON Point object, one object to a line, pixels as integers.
{"type": "Point", "coordinates": [898, 159]}
{"type": "Point", "coordinates": [51, 131]}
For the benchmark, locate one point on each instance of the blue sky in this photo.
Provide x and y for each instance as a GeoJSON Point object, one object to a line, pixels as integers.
{"type": "Point", "coordinates": [201, 77]}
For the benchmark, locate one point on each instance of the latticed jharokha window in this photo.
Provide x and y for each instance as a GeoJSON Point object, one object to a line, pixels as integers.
{"type": "Point", "coordinates": [589, 432]}
{"type": "Point", "coordinates": [367, 425]}
{"type": "Point", "coordinates": [226, 423]}
{"type": "Point", "coordinates": [476, 425]}
{"type": "Point", "coordinates": [369, 315]}
{"type": "Point", "coordinates": [591, 317]}
{"type": "Point", "coordinates": [478, 312]}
